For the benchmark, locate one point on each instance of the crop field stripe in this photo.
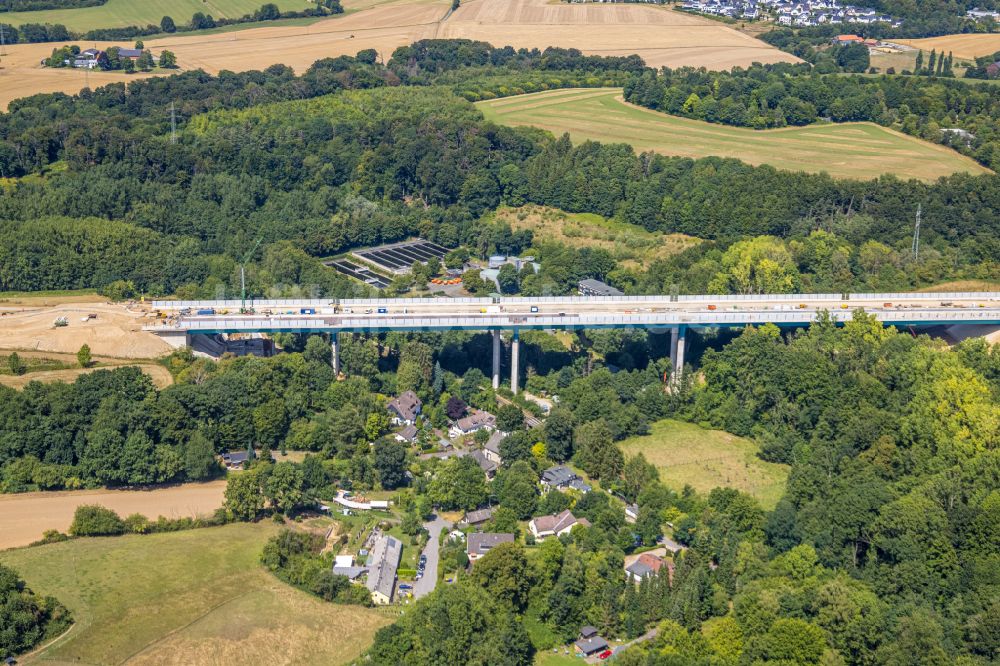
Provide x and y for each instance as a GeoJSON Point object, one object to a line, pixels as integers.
{"type": "Point", "coordinates": [843, 150]}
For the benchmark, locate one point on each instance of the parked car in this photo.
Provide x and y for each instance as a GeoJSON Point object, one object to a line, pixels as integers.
{"type": "Point", "coordinates": [404, 586]}
{"type": "Point", "coordinates": [605, 654]}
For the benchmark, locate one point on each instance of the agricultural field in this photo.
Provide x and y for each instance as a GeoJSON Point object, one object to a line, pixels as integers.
{"type": "Point", "coordinates": [687, 454]}
{"type": "Point", "coordinates": [193, 597]}
{"type": "Point", "coordinates": [627, 243]}
{"type": "Point", "coordinates": [844, 150]}
{"type": "Point", "coordinates": [25, 516]}
{"type": "Point", "coordinates": [661, 36]}
{"type": "Point", "coordinates": [121, 13]}
{"type": "Point", "coordinates": [962, 46]}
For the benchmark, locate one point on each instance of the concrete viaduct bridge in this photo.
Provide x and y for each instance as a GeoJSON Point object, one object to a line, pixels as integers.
{"type": "Point", "coordinates": [676, 314]}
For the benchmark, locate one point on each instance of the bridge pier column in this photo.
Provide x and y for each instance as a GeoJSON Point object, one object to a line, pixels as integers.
{"type": "Point", "coordinates": [515, 349]}
{"type": "Point", "coordinates": [335, 352]}
{"type": "Point", "coordinates": [677, 340]}
{"type": "Point", "coordinates": [496, 359]}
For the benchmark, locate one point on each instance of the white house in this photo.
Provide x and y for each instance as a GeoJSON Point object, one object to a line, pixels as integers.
{"type": "Point", "coordinates": [555, 525]}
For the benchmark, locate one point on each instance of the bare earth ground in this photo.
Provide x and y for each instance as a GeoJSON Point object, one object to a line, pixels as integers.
{"type": "Point", "coordinates": [24, 516]}
{"type": "Point", "coordinates": [660, 36]}
{"type": "Point", "coordinates": [966, 47]}
{"type": "Point", "coordinates": [116, 332]}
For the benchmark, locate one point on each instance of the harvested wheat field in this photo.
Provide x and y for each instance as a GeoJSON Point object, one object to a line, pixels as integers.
{"type": "Point", "coordinates": [24, 516]}
{"type": "Point", "coordinates": [383, 28]}
{"type": "Point", "coordinates": [661, 36]}
{"type": "Point", "coordinates": [845, 150]}
{"type": "Point", "coordinates": [963, 47]}
{"type": "Point", "coordinates": [22, 74]}
{"type": "Point", "coordinates": [116, 331]}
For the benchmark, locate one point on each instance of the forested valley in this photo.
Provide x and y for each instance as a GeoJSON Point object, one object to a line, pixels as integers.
{"type": "Point", "coordinates": [884, 548]}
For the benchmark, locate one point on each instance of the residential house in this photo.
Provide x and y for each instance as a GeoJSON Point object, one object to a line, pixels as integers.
{"type": "Point", "coordinates": [488, 466]}
{"type": "Point", "coordinates": [589, 643]}
{"type": "Point", "coordinates": [382, 565]}
{"type": "Point", "coordinates": [235, 459]}
{"type": "Point", "coordinates": [407, 435]}
{"type": "Point", "coordinates": [492, 447]}
{"type": "Point", "coordinates": [131, 54]}
{"type": "Point", "coordinates": [478, 517]}
{"type": "Point", "coordinates": [405, 408]}
{"type": "Point", "coordinates": [480, 543]}
{"type": "Point", "coordinates": [648, 565]}
{"type": "Point", "coordinates": [343, 565]}
{"type": "Point", "coordinates": [562, 478]}
{"type": "Point", "coordinates": [555, 525]}
{"type": "Point", "coordinates": [476, 420]}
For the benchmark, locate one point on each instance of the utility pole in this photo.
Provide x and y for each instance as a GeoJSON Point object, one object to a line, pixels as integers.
{"type": "Point", "coordinates": [916, 236]}
{"type": "Point", "coordinates": [243, 278]}
{"type": "Point", "coordinates": [173, 124]}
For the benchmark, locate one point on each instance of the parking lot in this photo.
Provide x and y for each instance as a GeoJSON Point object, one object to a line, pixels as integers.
{"type": "Point", "coordinates": [399, 257]}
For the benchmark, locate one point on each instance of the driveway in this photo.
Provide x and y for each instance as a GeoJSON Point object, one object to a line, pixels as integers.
{"type": "Point", "coordinates": [426, 585]}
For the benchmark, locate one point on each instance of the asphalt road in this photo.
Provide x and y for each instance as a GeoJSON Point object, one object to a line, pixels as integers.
{"type": "Point", "coordinates": [426, 585]}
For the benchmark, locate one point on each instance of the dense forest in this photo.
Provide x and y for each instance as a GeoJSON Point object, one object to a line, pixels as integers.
{"type": "Point", "coordinates": [344, 156]}
{"type": "Point", "coordinates": [884, 549]}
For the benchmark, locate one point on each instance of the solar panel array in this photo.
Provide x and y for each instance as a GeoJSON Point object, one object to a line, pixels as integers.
{"type": "Point", "coordinates": [399, 257]}
{"type": "Point", "coordinates": [359, 273]}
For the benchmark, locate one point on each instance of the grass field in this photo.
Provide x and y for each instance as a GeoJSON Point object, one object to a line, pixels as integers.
{"type": "Point", "coordinates": [119, 13]}
{"type": "Point", "coordinates": [629, 244]}
{"type": "Point", "coordinates": [194, 597]}
{"type": "Point", "coordinates": [686, 454]}
{"type": "Point", "coordinates": [846, 150]}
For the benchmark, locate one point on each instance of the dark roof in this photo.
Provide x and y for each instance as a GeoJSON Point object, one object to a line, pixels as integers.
{"type": "Point", "coordinates": [406, 405]}
{"type": "Point", "coordinates": [587, 631]}
{"type": "Point", "coordinates": [408, 433]}
{"type": "Point", "coordinates": [481, 542]}
{"type": "Point", "coordinates": [639, 569]}
{"type": "Point", "coordinates": [478, 516]}
{"type": "Point", "coordinates": [235, 457]}
{"type": "Point", "coordinates": [560, 475]}
{"type": "Point", "coordinates": [484, 463]}
{"type": "Point", "coordinates": [591, 645]}
{"type": "Point", "coordinates": [130, 53]}
{"type": "Point", "coordinates": [590, 287]}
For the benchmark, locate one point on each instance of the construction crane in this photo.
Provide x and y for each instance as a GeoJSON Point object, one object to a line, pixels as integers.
{"type": "Point", "coordinates": [243, 278]}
